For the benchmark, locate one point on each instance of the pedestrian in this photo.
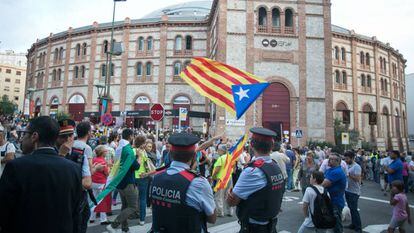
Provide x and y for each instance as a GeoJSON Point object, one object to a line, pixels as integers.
{"type": "Point", "coordinates": [296, 168]}
{"type": "Point", "coordinates": [259, 190]}
{"type": "Point", "coordinates": [308, 207]}
{"type": "Point", "coordinates": [406, 168]}
{"type": "Point", "coordinates": [218, 173]}
{"type": "Point", "coordinates": [353, 191]}
{"type": "Point", "coordinates": [335, 182]}
{"type": "Point", "coordinates": [40, 192]}
{"type": "Point", "coordinates": [99, 181]}
{"type": "Point", "coordinates": [325, 165]}
{"type": "Point", "coordinates": [384, 164]}
{"type": "Point", "coordinates": [401, 209]}
{"type": "Point", "coordinates": [395, 169]}
{"type": "Point", "coordinates": [7, 150]}
{"type": "Point", "coordinates": [127, 187]}
{"type": "Point", "coordinates": [142, 176]}
{"type": "Point", "coordinates": [166, 157]}
{"type": "Point", "coordinates": [182, 201]}
{"type": "Point", "coordinates": [290, 166]}
{"type": "Point", "coordinates": [308, 166]}
{"type": "Point", "coordinates": [82, 154]}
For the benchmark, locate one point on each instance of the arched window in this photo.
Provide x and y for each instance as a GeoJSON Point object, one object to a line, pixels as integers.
{"type": "Point", "coordinates": [141, 44]}
{"type": "Point", "coordinates": [343, 52]}
{"type": "Point", "coordinates": [139, 69]}
{"type": "Point", "coordinates": [59, 74]}
{"type": "Point", "coordinates": [337, 77]}
{"type": "Point", "coordinates": [381, 64]}
{"type": "Point", "coordinates": [76, 72]}
{"type": "Point", "coordinates": [385, 65]}
{"type": "Point", "coordinates": [56, 55]}
{"type": "Point", "coordinates": [105, 46]}
{"type": "Point", "coordinates": [288, 18]}
{"type": "Point", "coordinates": [344, 77]}
{"type": "Point", "coordinates": [188, 43]}
{"type": "Point", "coordinates": [112, 69]}
{"type": "Point", "coordinates": [369, 81]}
{"type": "Point", "coordinates": [84, 49]}
{"type": "Point", "coordinates": [103, 70]}
{"type": "Point", "coordinates": [78, 50]}
{"type": "Point", "coordinates": [178, 43]}
{"type": "Point", "coordinates": [82, 71]}
{"type": "Point", "coordinates": [385, 85]}
{"type": "Point", "coordinates": [186, 63]}
{"type": "Point", "coordinates": [61, 53]}
{"type": "Point", "coordinates": [54, 75]}
{"type": "Point", "coordinates": [177, 68]}
{"type": "Point", "coordinates": [262, 16]}
{"type": "Point", "coordinates": [148, 69]}
{"type": "Point", "coordinates": [382, 84]}
{"type": "Point", "coordinates": [275, 17]}
{"type": "Point", "coordinates": [336, 53]}
{"type": "Point", "coordinates": [363, 80]}
{"type": "Point", "coordinates": [368, 59]}
{"type": "Point", "coordinates": [361, 58]}
{"type": "Point", "coordinates": [149, 43]}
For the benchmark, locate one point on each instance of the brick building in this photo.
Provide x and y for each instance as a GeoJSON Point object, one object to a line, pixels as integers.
{"type": "Point", "coordinates": [317, 71]}
{"type": "Point", "coordinates": [12, 83]}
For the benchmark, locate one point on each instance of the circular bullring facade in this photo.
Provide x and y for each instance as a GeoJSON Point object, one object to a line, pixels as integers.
{"type": "Point", "coordinates": [319, 72]}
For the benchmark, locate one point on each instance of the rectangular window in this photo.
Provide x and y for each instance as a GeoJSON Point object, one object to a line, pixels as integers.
{"type": "Point", "coordinates": [16, 89]}
{"type": "Point", "coordinates": [7, 80]}
{"type": "Point", "coordinates": [18, 73]}
{"type": "Point", "coordinates": [8, 71]}
{"type": "Point", "coordinates": [6, 88]}
{"type": "Point", "coordinates": [16, 98]}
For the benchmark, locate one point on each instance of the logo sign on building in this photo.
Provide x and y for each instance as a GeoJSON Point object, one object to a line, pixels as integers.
{"type": "Point", "coordinates": [372, 118]}
{"type": "Point", "coordinates": [345, 138]}
{"type": "Point", "coordinates": [205, 127]}
{"type": "Point", "coordinates": [157, 112]}
{"type": "Point", "coordinates": [106, 119]}
{"type": "Point", "coordinates": [183, 114]}
{"type": "Point", "coordinates": [299, 133]}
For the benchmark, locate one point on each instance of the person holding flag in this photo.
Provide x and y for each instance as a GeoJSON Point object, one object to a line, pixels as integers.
{"type": "Point", "coordinates": [259, 190]}
{"type": "Point", "coordinates": [182, 201]}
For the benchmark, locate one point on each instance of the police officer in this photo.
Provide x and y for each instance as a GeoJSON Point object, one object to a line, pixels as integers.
{"type": "Point", "coordinates": [64, 145]}
{"type": "Point", "coordinates": [182, 201]}
{"type": "Point", "coordinates": [259, 189]}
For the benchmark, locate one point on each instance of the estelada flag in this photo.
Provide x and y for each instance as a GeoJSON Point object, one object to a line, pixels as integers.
{"type": "Point", "coordinates": [226, 86]}
{"type": "Point", "coordinates": [231, 159]}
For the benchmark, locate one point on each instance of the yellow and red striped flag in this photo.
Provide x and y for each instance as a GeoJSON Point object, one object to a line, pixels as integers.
{"type": "Point", "coordinates": [226, 86]}
{"type": "Point", "coordinates": [231, 159]}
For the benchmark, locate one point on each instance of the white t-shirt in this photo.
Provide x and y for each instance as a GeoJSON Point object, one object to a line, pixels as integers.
{"type": "Point", "coordinates": [385, 162]}
{"type": "Point", "coordinates": [325, 166]}
{"type": "Point", "coordinates": [6, 148]}
{"type": "Point", "coordinates": [281, 160]}
{"type": "Point", "coordinates": [309, 197]}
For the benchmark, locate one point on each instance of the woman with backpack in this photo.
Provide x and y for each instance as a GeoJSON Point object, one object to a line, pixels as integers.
{"type": "Point", "coordinates": [315, 202]}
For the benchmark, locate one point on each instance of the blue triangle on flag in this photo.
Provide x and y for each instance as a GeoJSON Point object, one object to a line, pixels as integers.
{"type": "Point", "coordinates": [245, 94]}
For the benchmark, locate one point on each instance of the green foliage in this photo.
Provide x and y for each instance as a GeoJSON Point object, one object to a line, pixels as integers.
{"type": "Point", "coordinates": [7, 107]}
{"type": "Point", "coordinates": [340, 128]}
{"type": "Point", "coordinates": [367, 146]}
{"type": "Point", "coordinates": [321, 144]}
{"type": "Point", "coordinates": [62, 116]}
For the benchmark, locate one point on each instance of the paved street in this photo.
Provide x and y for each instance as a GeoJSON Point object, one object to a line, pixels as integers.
{"type": "Point", "coordinates": [374, 208]}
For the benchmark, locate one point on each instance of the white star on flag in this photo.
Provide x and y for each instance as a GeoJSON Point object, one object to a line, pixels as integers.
{"type": "Point", "coordinates": [242, 93]}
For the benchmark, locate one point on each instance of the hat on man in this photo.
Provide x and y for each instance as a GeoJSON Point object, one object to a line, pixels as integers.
{"type": "Point", "coordinates": [262, 134]}
{"type": "Point", "coordinates": [183, 142]}
{"type": "Point", "coordinates": [67, 126]}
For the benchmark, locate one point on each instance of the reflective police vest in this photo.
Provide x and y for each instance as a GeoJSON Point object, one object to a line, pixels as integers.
{"type": "Point", "coordinates": [170, 213]}
{"type": "Point", "coordinates": [264, 204]}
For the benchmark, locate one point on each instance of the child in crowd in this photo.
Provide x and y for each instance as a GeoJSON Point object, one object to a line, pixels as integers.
{"type": "Point", "coordinates": [401, 210]}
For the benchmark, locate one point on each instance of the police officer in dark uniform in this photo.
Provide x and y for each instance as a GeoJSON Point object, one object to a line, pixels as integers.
{"type": "Point", "coordinates": [182, 201]}
{"type": "Point", "coordinates": [259, 189]}
{"type": "Point", "coordinates": [64, 147]}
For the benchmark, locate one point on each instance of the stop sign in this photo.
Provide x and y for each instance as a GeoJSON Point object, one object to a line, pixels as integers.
{"type": "Point", "coordinates": [157, 112]}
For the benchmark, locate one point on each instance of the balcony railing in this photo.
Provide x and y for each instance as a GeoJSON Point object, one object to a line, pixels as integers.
{"type": "Point", "coordinates": [262, 28]}
{"type": "Point", "coordinates": [341, 86]}
{"type": "Point", "coordinates": [366, 89]}
{"type": "Point", "coordinates": [276, 30]}
{"type": "Point", "coordinates": [289, 30]}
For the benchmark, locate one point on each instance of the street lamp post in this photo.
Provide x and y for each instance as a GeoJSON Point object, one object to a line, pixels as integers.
{"type": "Point", "coordinates": [29, 93]}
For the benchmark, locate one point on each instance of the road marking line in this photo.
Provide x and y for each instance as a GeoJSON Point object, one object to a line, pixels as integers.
{"type": "Point", "coordinates": [379, 200]}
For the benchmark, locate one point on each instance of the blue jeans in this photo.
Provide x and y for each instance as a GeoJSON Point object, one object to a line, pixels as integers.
{"type": "Point", "coordinates": [290, 185]}
{"type": "Point", "coordinates": [142, 184]}
{"type": "Point", "coordinates": [352, 200]}
{"type": "Point", "coordinates": [337, 211]}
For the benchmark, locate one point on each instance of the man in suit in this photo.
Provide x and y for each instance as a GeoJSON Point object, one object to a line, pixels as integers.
{"type": "Point", "coordinates": [40, 192]}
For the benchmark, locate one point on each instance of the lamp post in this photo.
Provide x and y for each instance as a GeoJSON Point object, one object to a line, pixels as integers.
{"type": "Point", "coordinates": [29, 93]}
{"type": "Point", "coordinates": [104, 90]}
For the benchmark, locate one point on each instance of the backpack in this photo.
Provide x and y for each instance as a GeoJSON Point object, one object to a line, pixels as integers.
{"type": "Point", "coordinates": [323, 216]}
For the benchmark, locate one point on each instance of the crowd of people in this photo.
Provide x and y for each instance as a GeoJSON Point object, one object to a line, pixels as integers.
{"type": "Point", "coordinates": [159, 169]}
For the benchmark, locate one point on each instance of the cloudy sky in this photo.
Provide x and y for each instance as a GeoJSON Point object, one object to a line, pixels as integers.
{"type": "Point", "coordinates": [22, 21]}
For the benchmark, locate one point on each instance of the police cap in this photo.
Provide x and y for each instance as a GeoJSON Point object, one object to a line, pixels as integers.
{"type": "Point", "coordinates": [183, 141]}
{"type": "Point", "coordinates": [66, 126]}
{"type": "Point", "coordinates": [262, 134]}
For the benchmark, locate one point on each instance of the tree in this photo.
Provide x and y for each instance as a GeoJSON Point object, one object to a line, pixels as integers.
{"type": "Point", "coordinates": [7, 107]}
{"type": "Point", "coordinates": [62, 116]}
{"type": "Point", "coordinates": [340, 128]}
